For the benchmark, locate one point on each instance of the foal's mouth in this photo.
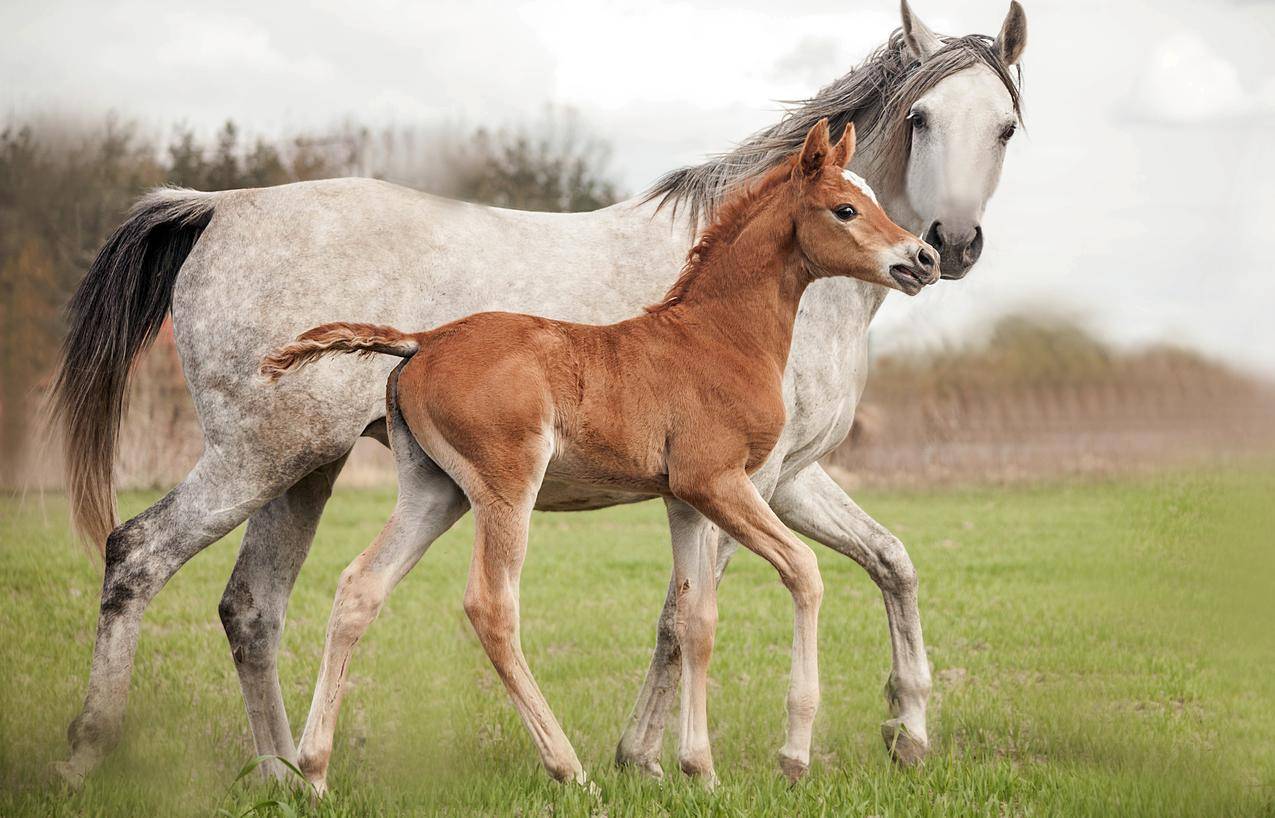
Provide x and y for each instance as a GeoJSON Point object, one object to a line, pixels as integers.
{"type": "Point", "coordinates": [908, 278]}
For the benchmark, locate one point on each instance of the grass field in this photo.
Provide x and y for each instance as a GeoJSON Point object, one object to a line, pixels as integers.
{"type": "Point", "coordinates": [1099, 649]}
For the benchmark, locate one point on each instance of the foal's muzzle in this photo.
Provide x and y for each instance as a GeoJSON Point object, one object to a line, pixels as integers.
{"type": "Point", "coordinates": [921, 268]}
{"type": "Point", "coordinates": [956, 253]}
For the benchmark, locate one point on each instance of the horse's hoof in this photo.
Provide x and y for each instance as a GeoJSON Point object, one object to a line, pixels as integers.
{"type": "Point", "coordinates": [70, 774]}
{"type": "Point", "coordinates": [793, 768]}
{"type": "Point", "coordinates": [905, 747]}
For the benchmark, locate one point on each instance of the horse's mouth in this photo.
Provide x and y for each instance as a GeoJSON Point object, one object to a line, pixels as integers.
{"type": "Point", "coordinates": [908, 278]}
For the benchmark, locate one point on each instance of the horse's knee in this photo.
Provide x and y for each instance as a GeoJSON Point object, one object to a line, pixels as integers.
{"type": "Point", "coordinates": [895, 571]}
{"type": "Point", "coordinates": [251, 630]}
{"type": "Point", "coordinates": [128, 574]}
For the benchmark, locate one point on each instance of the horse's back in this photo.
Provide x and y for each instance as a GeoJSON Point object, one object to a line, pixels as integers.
{"type": "Point", "coordinates": [276, 261]}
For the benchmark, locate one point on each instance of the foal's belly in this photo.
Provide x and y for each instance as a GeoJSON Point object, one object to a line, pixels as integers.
{"type": "Point", "coordinates": [563, 495]}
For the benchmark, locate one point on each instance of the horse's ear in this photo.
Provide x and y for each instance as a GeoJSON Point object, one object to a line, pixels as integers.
{"type": "Point", "coordinates": [1013, 37]}
{"type": "Point", "coordinates": [920, 41]}
{"type": "Point", "coordinates": [844, 152]}
{"type": "Point", "coordinates": [814, 154]}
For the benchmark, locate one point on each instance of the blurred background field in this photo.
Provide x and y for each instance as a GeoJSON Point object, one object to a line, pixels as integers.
{"type": "Point", "coordinates": [1099, 648]}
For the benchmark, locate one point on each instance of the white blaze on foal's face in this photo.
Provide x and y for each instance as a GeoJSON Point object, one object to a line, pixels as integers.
{"type": "Point", "coordinates": [859, 182]}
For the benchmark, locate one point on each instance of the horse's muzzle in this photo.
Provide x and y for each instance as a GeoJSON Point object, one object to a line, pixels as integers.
{"type": "Point", "coordinates": [957, 255]}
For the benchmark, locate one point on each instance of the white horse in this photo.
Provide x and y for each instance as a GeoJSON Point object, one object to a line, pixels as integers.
{"type": "Point", "coordinates": [243, 271]}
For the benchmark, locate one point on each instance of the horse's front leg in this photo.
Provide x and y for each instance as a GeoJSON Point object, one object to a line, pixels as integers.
{"type": "Point", "coordinates": [814, 505]}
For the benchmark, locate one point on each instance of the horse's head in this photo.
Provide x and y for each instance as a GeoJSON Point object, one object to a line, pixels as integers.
{"type": "Point", "coordinates": [840, 227]}
{"type": "Point", "coordinates": [953, 118]}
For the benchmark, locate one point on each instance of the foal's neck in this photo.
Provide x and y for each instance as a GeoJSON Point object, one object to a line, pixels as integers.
{"type": "Point", "coordinates": [748, 290]}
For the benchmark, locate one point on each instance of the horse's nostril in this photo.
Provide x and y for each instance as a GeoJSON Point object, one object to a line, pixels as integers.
{"type": "Point", "coordinates": [925, 258]}
{"type": "Point", "coordinates": [933, 237]}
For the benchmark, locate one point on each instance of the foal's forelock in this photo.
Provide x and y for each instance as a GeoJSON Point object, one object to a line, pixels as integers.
{"type": "Point", "coordinates": [875, 95]}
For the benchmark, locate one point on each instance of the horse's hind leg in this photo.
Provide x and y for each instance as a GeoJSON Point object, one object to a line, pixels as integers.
{"type": "Point", "coordinates": [141, 556]}
{"type": "Point", "coordinates": [428, 504]}
{"type": "Point", "coordinates": [256, 600]}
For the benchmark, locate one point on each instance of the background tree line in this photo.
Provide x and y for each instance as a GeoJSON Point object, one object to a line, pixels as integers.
{"type": "Point", "coordinates": [64, 186]}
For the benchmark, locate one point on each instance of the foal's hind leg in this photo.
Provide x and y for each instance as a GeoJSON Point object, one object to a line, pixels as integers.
{"type": "Point", "coordinates": [256, 600]}
{"type": "Point", "coordinates": [141, 556]}
{"type": "Point", "coordinates": [428, 504]}
{"type": "Point", "coordinates": [491, 602]}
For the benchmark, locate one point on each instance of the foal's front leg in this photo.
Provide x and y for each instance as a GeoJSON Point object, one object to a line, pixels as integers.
{"type": "Point", "coordinates": [812, 503]}
{"type": "Point", "coordinates": [732, 501]}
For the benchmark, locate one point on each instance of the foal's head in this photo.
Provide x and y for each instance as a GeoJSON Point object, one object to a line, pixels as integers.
{"type": "Point", "coordinates": [840, 227]}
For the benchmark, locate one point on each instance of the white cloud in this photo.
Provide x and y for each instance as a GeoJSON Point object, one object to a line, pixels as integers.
{"type": "Point", "coordinates": [1186, 80]}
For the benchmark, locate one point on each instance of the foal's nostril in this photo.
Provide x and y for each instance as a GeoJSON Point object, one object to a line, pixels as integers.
{"type": "Point", "coordinates": [926, 259]}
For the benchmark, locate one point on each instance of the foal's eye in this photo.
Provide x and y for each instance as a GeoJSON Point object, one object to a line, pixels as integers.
{"type": "Point", "coordinates": [1009, 131]}
{"type": "Point", "coordinates": [844, 212]}
{"type": "Point", "coordinates": [918, 120]}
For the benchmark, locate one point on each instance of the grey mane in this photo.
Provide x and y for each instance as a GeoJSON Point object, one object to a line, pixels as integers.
{"type": "Point", "coordinates": [875, 95]}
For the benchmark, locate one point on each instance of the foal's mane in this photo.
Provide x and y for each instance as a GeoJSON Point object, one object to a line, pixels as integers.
{"type": "Point", "coordinates": [875, 95]}
{"type": "Point", "coordinates": [739, 209]}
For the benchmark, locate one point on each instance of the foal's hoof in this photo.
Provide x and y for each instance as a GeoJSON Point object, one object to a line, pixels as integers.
{"type": "Point", "coordinates": [793, 768]}
{"type": "Point", "coordinates": [70, 774]}
{"type": "Point", "coordinates": [318, 790]}
{"type": "Point", "coordinates": [648, 767]}
{"type": "Point", "coordinates": [905, 747]}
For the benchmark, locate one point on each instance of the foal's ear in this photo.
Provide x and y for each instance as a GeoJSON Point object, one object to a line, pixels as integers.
{"type": "Point", "coordinates": [920, 41]}
{"type": "Point", "coordinates": [844, 151]}
{"type": "Point", "coordinates": [814, 154]}
{"type": "Point", "coordinates": [1013, 37]}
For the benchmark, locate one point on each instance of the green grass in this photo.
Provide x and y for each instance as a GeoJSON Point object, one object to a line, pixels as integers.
{"type": "Point", "coordinates": [1100, 649]}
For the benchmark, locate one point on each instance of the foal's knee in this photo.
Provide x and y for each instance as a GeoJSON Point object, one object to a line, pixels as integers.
{"type": "Point", "coordinates": [359, 596]}
{"type": "Point", "coordinates": [491, 615]}
{"type": "Point", "coordinates": [696, 617]}
{"type": "Point", "coordinates": [803, 578]}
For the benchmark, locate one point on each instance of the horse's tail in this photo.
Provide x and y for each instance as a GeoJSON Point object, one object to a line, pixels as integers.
{"type": "Point", "coordinates": [112, 317]}
{"type": "Point", "coordinates": [330, 339]}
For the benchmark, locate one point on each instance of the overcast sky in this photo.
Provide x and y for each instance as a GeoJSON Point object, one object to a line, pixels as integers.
{"type": "Point", "coordinates": [1141, 198]}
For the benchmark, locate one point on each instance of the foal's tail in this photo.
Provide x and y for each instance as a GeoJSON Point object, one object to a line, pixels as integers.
{"type": "Point", "coordinates": [330, 339]}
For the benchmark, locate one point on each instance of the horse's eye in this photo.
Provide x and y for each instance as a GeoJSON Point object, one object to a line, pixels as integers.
{"type": "Point", "coordinates": [844, 212]}
{"type": "Point", "coordinates": [1009, 131]}
{"type": "Point", "coordinates": [918, 120]}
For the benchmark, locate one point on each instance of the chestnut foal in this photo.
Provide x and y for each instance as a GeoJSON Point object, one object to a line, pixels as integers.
{"type": "Point", "coordinates": [684, 402]}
